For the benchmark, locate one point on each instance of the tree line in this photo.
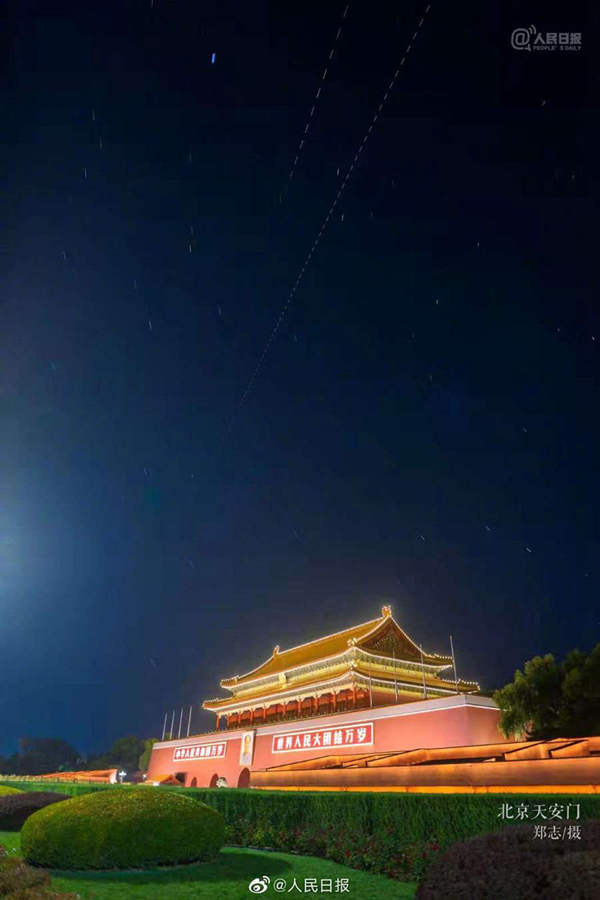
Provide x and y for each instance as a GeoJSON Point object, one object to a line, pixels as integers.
{"type": "Point", "coordinates": [39, 756]}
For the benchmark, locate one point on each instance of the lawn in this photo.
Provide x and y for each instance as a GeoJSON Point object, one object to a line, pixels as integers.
{"type": "Point", "coordinates": [227, 878]}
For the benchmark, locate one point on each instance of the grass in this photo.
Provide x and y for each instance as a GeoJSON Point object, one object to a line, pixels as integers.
{"type": "Point", "coordinates": [227, 878]}
{"type": "Point", "coordinates": [11, 840]}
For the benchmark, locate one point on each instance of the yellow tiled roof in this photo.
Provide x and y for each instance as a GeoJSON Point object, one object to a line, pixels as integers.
{"type": "Point", "coordinates": [330, 645]}
{"type": "Point", "coordinates": [312, 651]}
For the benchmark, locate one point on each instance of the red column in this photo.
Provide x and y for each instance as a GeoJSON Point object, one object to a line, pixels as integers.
{"type": "Point", "coordinates": [334, 696]}
{"type": "Point", "coordinates": [298, 708]}
{"type": "Point", "coordinates": [252, 717]}
{"type": "Point", "coordinates": [354, 696]}
{"type": "Point", "coordinates": [218, 722]}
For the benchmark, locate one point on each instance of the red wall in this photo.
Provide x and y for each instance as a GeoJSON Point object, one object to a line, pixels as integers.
{"type": "Point", "coordinates": [453, 721]}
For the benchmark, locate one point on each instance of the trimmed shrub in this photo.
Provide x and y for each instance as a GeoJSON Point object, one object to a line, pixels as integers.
{"type": "Point", "coordinates": [5, 790]}
{"type": "Point", "coordinates": [393, 834]}
{"type": "Point", "coordinates": [513, 863]}
{"type": "Point", "coordinates": [387, 853]}
{"type": "Point", "coordinates": [444, 818]}
{"type": "Point", "coordinates": [71, 789]}
{"type": "Point", "coordinates": [16, 808]}
{"type": "Point", "coordinates": [115, 829]}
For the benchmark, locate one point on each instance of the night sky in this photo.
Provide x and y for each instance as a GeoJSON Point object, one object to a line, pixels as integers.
{"type": "Point", "coordinates": [184, 483]}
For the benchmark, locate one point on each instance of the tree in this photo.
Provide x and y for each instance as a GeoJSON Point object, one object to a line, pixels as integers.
{"type": "Point", "coordinates": [530, 705]}
{"type": "Point", "coordinates": [38, 756]}
{"type": "Point", "coordinates": [98, 761]}
{"type": "Point", "coordinates": [580, 708]}
{"type": "Point", "coordinates": [144, 759]}
{"type": "Point", "coordinates": [125, 752]}
{"type": "Point", "coordinates": [549, 700]}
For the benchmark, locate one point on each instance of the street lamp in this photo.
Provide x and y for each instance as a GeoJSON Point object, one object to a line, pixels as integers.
{"type": "Point", "coordinates": [122, 775]}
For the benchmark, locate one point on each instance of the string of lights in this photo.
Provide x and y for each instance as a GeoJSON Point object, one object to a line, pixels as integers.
{"type": "Point", "coordinates": [326, 221]}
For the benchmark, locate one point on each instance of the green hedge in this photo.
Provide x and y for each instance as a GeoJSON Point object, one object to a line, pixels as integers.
{"type": "Point", "coordinates": [5, 790]}
{"type": "Point", "coordinates": [115, 829]}
{"type": "Point", "coordinates": [62, 787]}
{"type": "Point", "coordinates": [417, 817]}
{"type": "Point", "coordinates": [413, 817]}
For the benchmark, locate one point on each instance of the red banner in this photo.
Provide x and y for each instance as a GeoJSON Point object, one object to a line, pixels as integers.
{"type": "Point", "coordinates": [327, 739]}
{"type": "Point", "coordinates": [200, 751]}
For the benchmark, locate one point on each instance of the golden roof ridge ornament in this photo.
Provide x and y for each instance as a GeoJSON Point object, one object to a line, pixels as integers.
{"type": "Point", "coordinates": [386, 611]}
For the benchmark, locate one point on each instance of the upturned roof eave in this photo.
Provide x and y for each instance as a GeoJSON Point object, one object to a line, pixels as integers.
{"type": "Point", "coordinates": [255, 673]}
{"type": "Point", "coordinates": [382, 621]}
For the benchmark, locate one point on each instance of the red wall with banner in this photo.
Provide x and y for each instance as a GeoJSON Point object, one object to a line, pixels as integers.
{"type": "Point", "coordinates": [233, 755]}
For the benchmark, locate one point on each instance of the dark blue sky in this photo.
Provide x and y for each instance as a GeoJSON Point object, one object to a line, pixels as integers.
{"type": "Point", "coordinates": [424, 428]}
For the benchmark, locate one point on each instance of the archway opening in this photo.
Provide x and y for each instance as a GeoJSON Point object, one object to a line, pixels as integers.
{"type": "Point", "coordinates": [244, 779]}
{"type": "Point", "coordinates": [194, 782]}
{"type": "Point", "coordinates": [213, 781]}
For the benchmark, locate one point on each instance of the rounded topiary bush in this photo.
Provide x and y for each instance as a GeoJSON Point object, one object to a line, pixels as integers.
{"type": "Point", "coordinates": [15, 809]}
{"type": "Point", "coordinates": [122, 829]}
{"type": "Point", "coordinates": [5, 789]}
{"type": "Point", "coordinates": [513, 863]}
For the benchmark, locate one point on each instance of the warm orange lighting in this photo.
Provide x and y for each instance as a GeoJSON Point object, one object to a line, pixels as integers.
{"type": "Point", "coordinates": [415, 789]}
